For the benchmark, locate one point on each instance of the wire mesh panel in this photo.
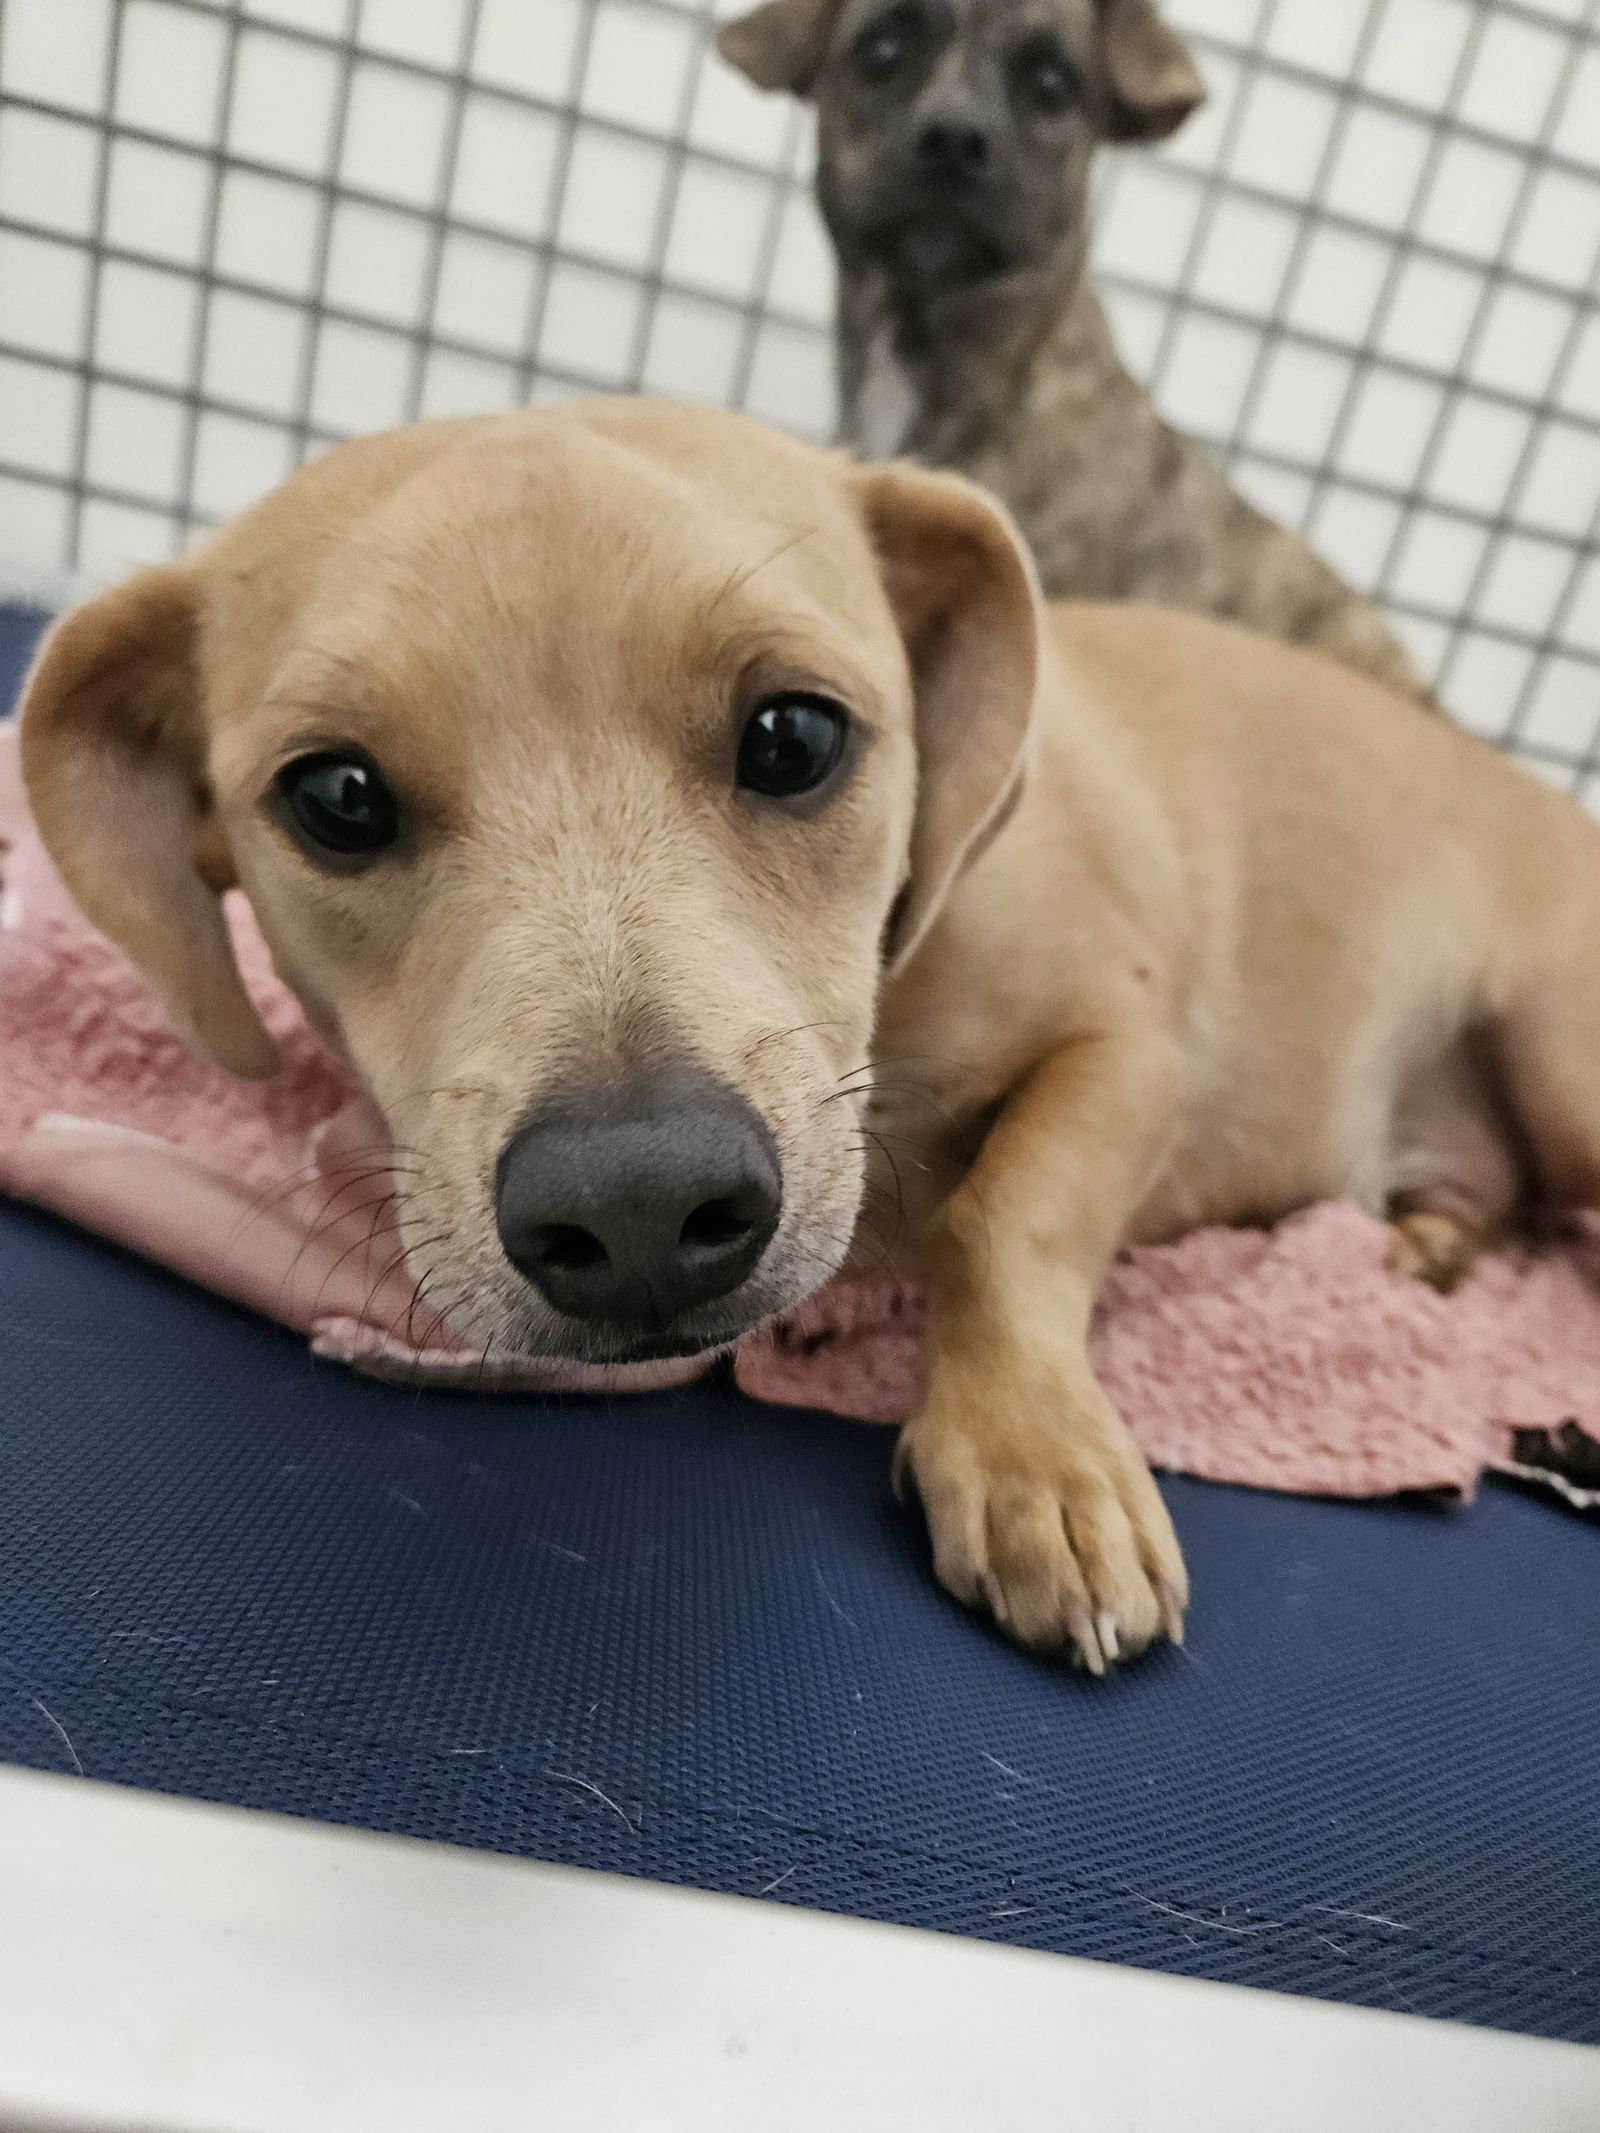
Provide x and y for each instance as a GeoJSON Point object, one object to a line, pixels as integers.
{"type": "Point", "coordinates": [1367, 273]}
{"type": "Point", "coordinates": [231, 233]}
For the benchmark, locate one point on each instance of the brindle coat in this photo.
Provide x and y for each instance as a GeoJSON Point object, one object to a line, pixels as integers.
{"type": "Point", "coordinates": [956, 138]}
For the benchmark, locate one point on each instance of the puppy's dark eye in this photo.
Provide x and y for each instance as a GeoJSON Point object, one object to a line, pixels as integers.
{"type": "Point", "coordinates": [790, 744]}
{"type": "Point", "coordinates": [340, 803]}
{"type": "Point", "coordinates": [1044, 78]}
{"type": "Point", "coordinates": [882, 45]}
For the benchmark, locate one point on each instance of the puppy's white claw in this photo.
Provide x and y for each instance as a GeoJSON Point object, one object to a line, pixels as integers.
{"type": "Point", "coordinates": [1107, 1626]}
{"type": "Point", "coordinates": [1084, 1637]}
{"type": "Point", "coordinates": [1171, 1610]}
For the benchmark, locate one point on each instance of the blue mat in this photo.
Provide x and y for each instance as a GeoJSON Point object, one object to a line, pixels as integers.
{"type": "Point", "coordinates": [695, 1639]}
{"type": "Point", "coordinates": [19, 632]}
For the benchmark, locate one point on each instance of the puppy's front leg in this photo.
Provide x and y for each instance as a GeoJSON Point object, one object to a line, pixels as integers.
{"type": "Point", "coordinates": [1038, 1502]}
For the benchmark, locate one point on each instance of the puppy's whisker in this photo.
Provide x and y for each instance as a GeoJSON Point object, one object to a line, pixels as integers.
{"type": "Point", "coordinates": [741, 577]}
{"type": "Point", "coordinates": [329, 1221]}
{"type": "Point", "coordinates": [875, 1197]}
{"type": "Point", "coordinates": [830, 1264]}
{"type": "Point", "coordinates": [894, 1171]}
{"type": "Point", "coordinates": [842, 1247]}
{"type": "Point", "coordinates": [389, 1268]}
{"type": "Point", "coordinates": [314, 1236]}
{"type": "Point", "coordinates": [926, 1153]}
{"type": "Point", "coordinates": [442, 1307]}
{"type": "Point", "coordinates": [780, 1036]}
{"type": "Point", "coordinates": [942, 1060]}
{"type": "Point", "coordinates": [908, 1085]}
{"type": "Point", "coordinates": [419, 1298]}
{"type": "Point", "coordinates": [445, 1309]}
{"type": "Point", "coordinates": [305, 1181]}
{"type": "Point", "coordinates": [383, 1205]}
{"type": "Point", "coordinates": [903, 1091]}
{"type": "Point", "coordinates": [301, 1181]}
{"type": "Point", "coordinates": [364, 1243]}
{"type": "Point", "coordinates": [481, 1388]}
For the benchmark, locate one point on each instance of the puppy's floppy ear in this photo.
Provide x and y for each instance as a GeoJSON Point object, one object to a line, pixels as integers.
{"type": "Point", "coordinates": [966, 600]}
{"type": "Point", "coordinates": [1152, 84]}
{"type": "Point", "coordinates": [781, 45]}
{"type": "Point", "coordinates": [112, 759]}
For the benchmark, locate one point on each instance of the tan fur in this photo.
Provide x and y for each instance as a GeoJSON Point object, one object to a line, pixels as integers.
{"type": "Point", "coordinates": [1143, 921]}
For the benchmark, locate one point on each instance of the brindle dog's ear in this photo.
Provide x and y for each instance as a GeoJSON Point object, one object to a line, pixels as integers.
{"type": "Point", "coordinates": [1151, 83]}
{"type": "Point", "coordinates": [112, 760]}
{"type": "Point", "coordinates": [966, 599]}
{"type": "Point", "coordinates": [781, 45]}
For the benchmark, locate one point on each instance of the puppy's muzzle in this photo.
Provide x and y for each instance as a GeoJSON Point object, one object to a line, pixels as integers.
{"type": "Point", "coordinates": [635, 1206]}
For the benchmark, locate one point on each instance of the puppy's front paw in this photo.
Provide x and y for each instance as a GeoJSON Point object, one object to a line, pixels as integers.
{"type": "Point", "coordinates": [1047, 1516]}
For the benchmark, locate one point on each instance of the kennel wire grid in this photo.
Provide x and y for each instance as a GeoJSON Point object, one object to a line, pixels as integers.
{"type": "Point", "coordinates": [233, 231]}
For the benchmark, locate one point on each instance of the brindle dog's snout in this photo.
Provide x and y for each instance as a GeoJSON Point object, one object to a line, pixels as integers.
{"type": "Point", "coordinates": [635, 1205]}
{"type": "Point", "coordinates": [952, 146]}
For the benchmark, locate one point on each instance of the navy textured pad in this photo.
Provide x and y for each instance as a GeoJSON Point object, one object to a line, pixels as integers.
{"type": "Point", "coordinates": [694, 1639]}
{"type": "Point", "coordinates": [20, 629]}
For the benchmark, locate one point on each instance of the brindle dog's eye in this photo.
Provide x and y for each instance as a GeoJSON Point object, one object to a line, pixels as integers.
{"type": "Point", "coordinates": [790, 744]}
{"type": "Point", "coordinates": [1044, 77]}
{"type": "Point", "coordinates": [340, 803]}
{"type": "Point", "coordinates": [883, 44]}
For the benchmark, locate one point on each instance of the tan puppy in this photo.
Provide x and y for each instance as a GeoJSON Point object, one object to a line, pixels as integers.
{"type": "Point", "coordinates": [615, 782]}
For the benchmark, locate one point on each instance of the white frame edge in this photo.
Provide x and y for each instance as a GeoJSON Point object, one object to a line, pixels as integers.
{"type": "Point", "coordinates": [179, 1968]}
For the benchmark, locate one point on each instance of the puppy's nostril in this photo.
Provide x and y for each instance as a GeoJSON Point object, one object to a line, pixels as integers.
{"type": "Point", "coordinates": [714, 1223]}
{"type": "Point", "coordinates": [567, 1249]}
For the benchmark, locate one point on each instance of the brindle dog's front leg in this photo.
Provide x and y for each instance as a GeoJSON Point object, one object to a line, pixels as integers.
{"type": "Point", "coordinates": [1038, 1503]}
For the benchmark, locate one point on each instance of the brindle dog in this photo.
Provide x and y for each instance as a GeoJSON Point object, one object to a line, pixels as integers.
{"type": "Point", "coordinates": [956, 138]}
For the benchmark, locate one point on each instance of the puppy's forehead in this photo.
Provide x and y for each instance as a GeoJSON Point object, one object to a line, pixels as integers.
{"type": "Point", "coordinates": [568, 519]}
{"type": "Point", "coordinates": [563, 552]}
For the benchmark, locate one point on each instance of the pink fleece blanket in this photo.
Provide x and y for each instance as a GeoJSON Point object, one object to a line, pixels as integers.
{"type": "Point", "coordinates": [1287, 1359]}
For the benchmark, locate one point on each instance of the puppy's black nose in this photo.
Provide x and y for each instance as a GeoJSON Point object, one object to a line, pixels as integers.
{"type": "Point", "coordinates": [636, 1204]}
{"type": "Point", "coordinates": [952, 148]}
